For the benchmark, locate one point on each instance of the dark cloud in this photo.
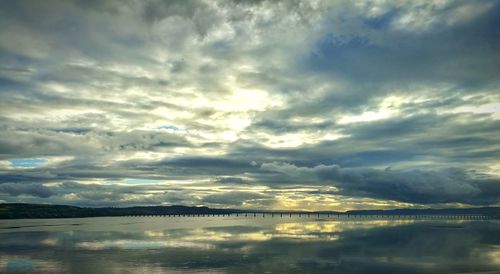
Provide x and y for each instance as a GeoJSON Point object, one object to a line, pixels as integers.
{"type": "Point", "coordinates": [231, 180]}
{"type": "Point", "coordinates": [33, 189]}
{"type": "Point", "coordinates": [239, 198]}
{"type": "Point", "coordinates": [465, 53]}
{"type": "Point", "coordinates": [414, 186]}
{"type": "Point", "coordinates": [97, 194]}
{"type": "Point", "coordinates": [208, 162]}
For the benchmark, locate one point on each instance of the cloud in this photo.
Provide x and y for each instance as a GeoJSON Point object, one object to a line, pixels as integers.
{"type": "Point", "coordinates": [32, 189]}
{"type": "Point", "coordinates": [198, 99]}
{"type": "Point", "coordinates": [239, 198]}
{"type": "Point", "coordinates": [412, 186]}
{"type": "Point", "coordinates": [385, 49]}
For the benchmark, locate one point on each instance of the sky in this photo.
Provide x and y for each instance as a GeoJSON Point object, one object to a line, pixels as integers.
{"type": "Point", "coordinates": [311, 105]}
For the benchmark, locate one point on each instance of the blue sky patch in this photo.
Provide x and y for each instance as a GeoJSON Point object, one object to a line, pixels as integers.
{"type": "Point", "coordinates": [28, 162]}
{"type": "Point", "coordinates": [139, 181]}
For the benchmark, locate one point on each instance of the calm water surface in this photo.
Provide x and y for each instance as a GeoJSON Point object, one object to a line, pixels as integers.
{"type": "Point", "coordinates": [248, 245]}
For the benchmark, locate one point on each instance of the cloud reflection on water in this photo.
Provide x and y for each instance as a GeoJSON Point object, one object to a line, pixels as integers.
{"type": "Point", "coordinates": [377, 246]}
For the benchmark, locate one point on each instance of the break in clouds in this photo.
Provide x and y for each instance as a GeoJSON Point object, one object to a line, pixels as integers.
{"type": "Point", "coordinates": [253, 104]}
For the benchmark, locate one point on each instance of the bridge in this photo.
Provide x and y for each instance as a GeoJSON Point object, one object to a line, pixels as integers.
{"type": "Point", "coordinates": [333, 216]}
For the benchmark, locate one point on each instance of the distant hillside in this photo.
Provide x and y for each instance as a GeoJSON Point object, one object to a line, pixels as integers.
{"type": "Point", "coordinates": [26, 211]}
{"type": "Point", "coordinates": [490, 211]}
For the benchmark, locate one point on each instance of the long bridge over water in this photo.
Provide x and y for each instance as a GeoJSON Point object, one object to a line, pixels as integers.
{"type": "Point", "coordinates": [20, 211]}
{"type": "Point", "coordinates": [334, 216]}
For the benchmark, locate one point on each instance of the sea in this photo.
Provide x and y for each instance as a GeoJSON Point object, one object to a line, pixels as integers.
{"type": "Point", "coordinates": [239, 244]}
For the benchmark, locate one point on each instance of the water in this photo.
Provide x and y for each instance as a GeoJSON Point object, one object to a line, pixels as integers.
{"type": "Point", "coordinates": [248, 245]}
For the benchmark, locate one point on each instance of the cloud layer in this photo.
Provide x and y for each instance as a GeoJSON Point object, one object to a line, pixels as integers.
{"type": "Point", "coordinates": [261, 104]}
